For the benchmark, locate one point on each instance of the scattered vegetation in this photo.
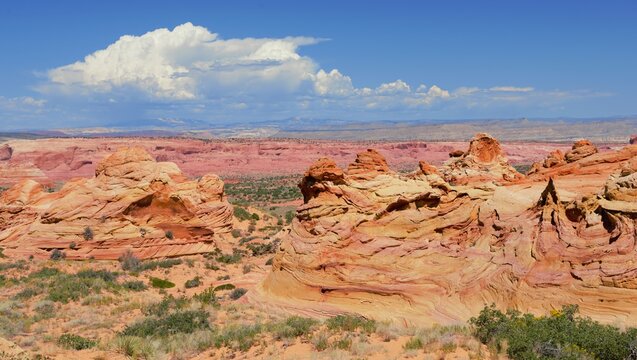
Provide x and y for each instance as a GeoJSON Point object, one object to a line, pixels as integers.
{"type": "Point", "coordinates": [192, 283]}
{"type": "Point", "coordinates": [75, 342]}
{"type": "Point", "coordinates": [263, 191]}
{"type": "Point", "coordinates": [561, 335]}
{"type": "Point", "coordinates": [161, 283]}
{"type": "Point", "coordinates": [233, 258]}
{"type": "Point", "coordinates": [169, 235]}
{"type": "Point", "coordinates": [237, 293]}
{"type": "Point", "coordinates": [130, 262]}
{"type": "Point", "coordinates": [351, 323]}
{"type": "Point", "coordinates": [184, 322]}
{"type": "Point", "coordinates": [134, 285]}
{"type": "Point", "coordinates": [265, 248]}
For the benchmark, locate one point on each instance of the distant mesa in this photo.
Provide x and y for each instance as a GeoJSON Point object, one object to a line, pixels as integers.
{"type": "Point", "coordinates": [133, 203]}
{"type": "Point", "coordinates": [438, 244]}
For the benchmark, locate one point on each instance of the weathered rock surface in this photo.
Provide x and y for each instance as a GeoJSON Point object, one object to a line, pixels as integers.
{"type": "Point", "coordinates": [580, 150]}
{"type": "Point", "coordinates": [132, 203]}
{"type": "Point", "coordinates": [416, 247]}
{"type": "Point", "coordinates": [483, 161]}
{"type": "Point", "coordinates": [5, 152]}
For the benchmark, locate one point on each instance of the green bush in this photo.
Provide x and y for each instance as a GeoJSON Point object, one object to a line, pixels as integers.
{"type": "Point", "coordinates": [75, 342]}
{"type": "Point", "coordinates": [351, 323]}
{"type": "Point", "coordinates": [241, 213]}
{"type": "Point", "coordinates": [192, 283]}
{"type": "Point", "coordinates": [289, 216]}
{"type": "Point", "coordinates": [562, 335]}
{"type": "Point", "coordinates": [45, 272]}
{"type": "Point", "coordinates": [207, 296]}
{"type": "Point", "coordinates": [72, 287]}
{"type": "Point", "coordinates": [169, 235]}
{"type": "Point", "coordinates": [134, 285]}
{"type": "Point", "coordinates": [161, 283]}
{"type": "Point", "coordinates": [184, 322]}
{"type": "Point", "coordinates": [230, 259]}
{"type": "Point", "coordinates": [236, 233]}
{"type": "Point", "coordinates": [237, 293]}
{"type": "Point", "coordinates": [262, 249]}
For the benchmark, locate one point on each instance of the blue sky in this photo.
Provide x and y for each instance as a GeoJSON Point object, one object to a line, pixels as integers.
{"type": "Point", "coordinates": [221, 62]}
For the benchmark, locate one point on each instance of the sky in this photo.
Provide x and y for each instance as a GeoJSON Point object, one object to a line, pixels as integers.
{"type": "Point", "coordinates": [86, 64]}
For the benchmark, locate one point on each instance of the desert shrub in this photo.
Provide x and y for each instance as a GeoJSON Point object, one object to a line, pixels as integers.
{"type": "Point", "coordinates": [237, 293]}
{"type": "Point", "coordinates": [562, 335]}
{"type": "Point", "coordinates": [44, 309]}
{"type": "Point", "coordinates": [414, 343]}
{"type": "Point", "coordinates": [320, 341]}
{"type": "Point", "coordinates": [223, 277]}
{"type": "Point", "coordinates": [212, 266]}
{"type": "Point", "coordinates": [247, 268]}
{"type": "Point", "coordinates": [289, 216]}
{"type": "Point", "coordinates": [169, 235]}
{"type": "Point", "coordinates": [73, 245]}
{"type": "Point", "coordinates": [255, 217]}
{"type": "Point", "coordinates": [161, 283]}
{"type": "Point", "coordinates": [262, 249]}
{"type": "Point", "coordinates": [75, 342]}
{"type": "Point", "coordinates": [225, 287]}
{"type": "Point", "coordinates": [269, 262]}
{"type": "Point", "coordinates": [292, 327]}
{"type": "Point", "coordinates": [27, 293]}
{"type": "Point", "coordinates": [72, 287]}
{"type": "Point", "coordinates": [241, 213]}
{"type": "Point", "coordinates": [343, 343]}
{"type": "Point", "coordinates": [57, 254]}
{"type": "Point", "coordinates": [207, 296]}
{"type": "Point", "coordinates": [134, 347]}
{"type": "Point", "coordinates": [45, 272]}
{"type": "Point", "coordinates": [134, 285]}
{"type": "Point", "coordinates": [3, 280]}
{"type": "Point", "coordinates": [448, 346]}
{"type": "Point", "coordinates": [184, 322]}
{"type": "Point", "coordinates": [351, 323]}
{"type": "Point", "coordinates": [163, 264]}
{"type": "Point", "coordinates": [107, 276]}
{"type": "Point", "coordinates": [88, 234]}
{"type": "Point", "coordinates": [251, 228]}
{"type": "Point", "coordinates": [129, 262]}
{"type": "Point", "coordinates": [192, 283]}
{"type": "Point", "coordinates": [166, 305]}
{"type": "Point", "coordinates": [240, 337]}
{"type": "Point", "coordinates": [234, 258]}
{"type": "Point", "coordinates": [20, 265]}
{"type": "Point", "coordinates": [236, 233]}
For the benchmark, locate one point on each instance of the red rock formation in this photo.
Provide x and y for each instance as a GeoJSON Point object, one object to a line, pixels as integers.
{"type": "Point", "coordinates": [580, 150]}
{"type": "Point", "coordinates": [484, 161]}
{"type": "Point", "coordinates": [415, 247]}
{"type": "Point", "coordinates": [5, 152]}
{"type": "Point", "coordinates": [130, 204]}
{"type": "Point", "coordinates": [633, 139]}
{"type": "Point", "coordinates": [367, 165]}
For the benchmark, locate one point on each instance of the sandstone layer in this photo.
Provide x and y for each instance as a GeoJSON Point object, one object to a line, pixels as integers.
{"type": "Point", "coordinates": [437, 245]}
{"type": "Point", "coordinates": [132, 203]}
